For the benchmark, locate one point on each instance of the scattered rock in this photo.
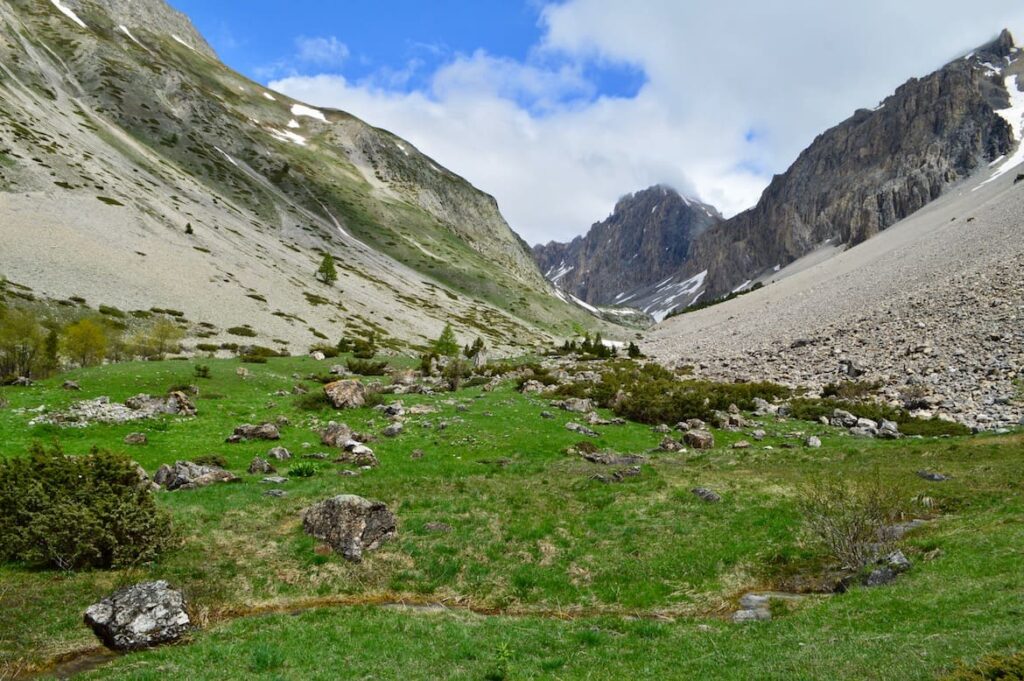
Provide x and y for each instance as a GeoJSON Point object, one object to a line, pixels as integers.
{"type": "Point", "coordinates": [358, 454]}
{"type": "Point", "coordinates": [279, 453]}
{"type": "Point", "coordinates": [889, 569]}
{"type": "Point", "coordinates": [318, 356]}
{"type": "Point", "coordinates": [582, 430]}
{"type": "Point", "coordinates": [576, 405]}
{"type": "Point", "coordinates": [547, 415]}
{"type": "Point", "coordinates": [278, 493]}
{"type": "Point", "coordinates": [136, 439]}
{"type": "Point", "coordinates": [246, 432]}
{"type": "Point", "coordinates": [706, 495]}
{"type": "Point", "coordinates": [416, 455]}
{"type": "Point", "coordinates": [260, 466]}
{"type": "Point", "coordinates": [393, 430]}
{"type": "Point", "coordinates": [139, 616]}
{"type": "Point", "coordinates": [932, 476]}
{"type": "Point", "coordinates": [670, 444]}
{"type": "Point", "coordinates": [611, 458]}
{"type": "Point", "coordinates": [619, 476]}
{"type": "Point", "coordinates": [102, 410]}
{"type": "Point", "coordinates": [699, 439]}
{"type": "Point", "coordinates": [187, 475]}
{"type": "Point", "coordinates": [889, 430]}
{"type": "Point", "coordinates": [814, 442]}
{"type": "Point", "coordinates": [350, 525]}
{"type": "Point", "coordinates": [335, 435]}
{"type": "Point", "coordinates": [742, 444]}
{"type": "Point", "coordinates": [759, 435]}
{"type": "Point", "coordinates": [346, 394]}
{"type": "Point", "coordinates": [71, 385]}
{"type": "Point", "coordinates": [274, 480]}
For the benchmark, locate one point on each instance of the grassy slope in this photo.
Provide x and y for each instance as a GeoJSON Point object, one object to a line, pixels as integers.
{"type": "Point", "coordinates": [536, 536]}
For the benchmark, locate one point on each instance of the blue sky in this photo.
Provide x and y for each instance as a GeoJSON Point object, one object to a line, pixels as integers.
{"type": "Point", "coordinates": [559, 107]}
{"type": "Point", "coordinates": [263, 38]}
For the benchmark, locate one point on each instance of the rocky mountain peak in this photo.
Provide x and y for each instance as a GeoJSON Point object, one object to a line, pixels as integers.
{"type": "Point", "coordinates": [154, 16]}
{"type": "Point", "coordinates": [645, 239]}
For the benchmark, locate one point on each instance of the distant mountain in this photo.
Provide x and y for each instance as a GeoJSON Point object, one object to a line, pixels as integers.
{"type": "Point", "coordinates": [138, 171]}
{"type": "Point", "coordinates": [646, 239]}
{"type": "Point", "coordinates": [870, 171]}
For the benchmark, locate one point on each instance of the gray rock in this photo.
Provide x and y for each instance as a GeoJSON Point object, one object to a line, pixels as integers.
{"type": "Point", "coordinates": [264, 431]}
{"type": "Point", "coordinates": [582, 430]}
{"type": "Point", "coordinates": [346, 394]}
{"type": "Point", "coordinates": [706, 495]}
{"type": "Point", "coordinates": [274, 480]}
{"type": "Point", "coordinates": [863, 432]}
{"type": "Point", "coordinates": [889, 430]}
{"type": "Point", "coordinates": [335, 435]}
{"type": "Point", "coordinates": [670, 444]}
{"type": "Point", "coordinates": [577, 405]}
{"type": "Point", "coordinates": [260, 466]}
{"type": "Point", "coordinates": [742, 444]}
{"type": "Point", "coordinates": [932, 476]}
{"type": "Point", "coordinates": [350, 525]}
{"type": "Point", "coordinates": [393, 430]}
{"type": "Point", "coordinates": [699, 439]}
{"type": "Point", "coordinates": [759, 435]}
{"type": "Point", "coordinates": [360, 455]}
{"type": "Point", "coordinates": [71, 385]}
{"type": "Point", "coordinates": [136, 439]}
{"type": "Point", "coordinates": [813, 442]}
{"type": "Point", "coordinates": [277, 493]}
{"type": "Point", "coordinates": [279, 453]}
{"type": "Point", "coordinates": [187, 475]}
{"type": "Point", "coordinates": [139, 616]}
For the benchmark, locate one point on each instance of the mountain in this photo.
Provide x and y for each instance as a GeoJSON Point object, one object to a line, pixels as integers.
{"type": "Point", "coordinates": [646, 239]}
{"type": "Point", "coordinates": [137, 171]}
{"type": "Point", "coordinates": [868, 172]}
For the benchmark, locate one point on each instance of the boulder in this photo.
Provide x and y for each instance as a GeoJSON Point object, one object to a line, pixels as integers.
{"type": "Point", "coordinates": [931, 476]}
{"type": "Point", "coordinates": [136, 439]}
{"type": "Point", "coordinates": [393, 430]}
{"type": "Point", "coordinates": [813, 442]}
{"type": "Point", "coordinates": [742, 444]}
{"type": "Point", "coordinates": [670, 444]}
{"type": "Point", "coordinates": [265, 431]}
{"type": "Point", "coordinates": [699, 439]}
{"type": "Point", "coordinates": [532, 387]}
{"type": "Point", "coordinates": [279, 453]}
{"type": "Point", "coordinates": [260, 466]}
{"type": "Point", "coordinates": [335, 435]}
{"type": "Point", "coordinates": [577, 405]}
{"type": "Point", "coordinates": [71, 385]}
{"type": "Point", "coordinates": [889, 430]}
{"type": "Point", "coordinates": [139, 616]}
{"type": "Point", "coordinates": [843, 419]}
{"type": "Point", "coordinates": [707, 495]}
{"type": "Point", "coordinates": [759, 435]}
{"type": "Point", "coordinates": [582, 430]}
{"type": "Point", "coordinates": [358, 454]}
{"type": "Point", "coordinates": [346, 394]}
{"type": "Point", "coordinates": [188, 475]}
{"type": "Point", "coordinates": [318, 356]}
{"type": "Point", "coordinates": [350, 525]}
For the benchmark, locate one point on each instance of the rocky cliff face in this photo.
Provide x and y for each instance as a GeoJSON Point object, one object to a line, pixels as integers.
{"type": "Point", "coordinates": [868, 172]}
{"type": "Point", "coordinates": [136, 170]}
{"type": "Point", "coordinates": [646, 239]}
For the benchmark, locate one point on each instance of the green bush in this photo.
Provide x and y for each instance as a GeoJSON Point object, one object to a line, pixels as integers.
{"type": "Point", "coordinates": [207, 347]}
{"type": "Point", "coordinates": [211, 460]}
{"type": "Point", "coordinates": [243, 331]}
{"type": "Point", "coordinates": [991, 668]}
{"type": "Point", "coordinates": [366, 367]}
{"type": "Point", "coordinates": [315, 400]}
{"type": "Point", "coordinates": [202, 371]}
{"type": "Point", "coordinates": [814, 409]}
{"type": "Point", "coordinates": [850, 390]}
{"type": "Point", "coordinates": [933, 428]}
{"type": "Point", "coordinates": [330, 351]}
{"type": "Point", "coordinates": [303, 469]}
{"type": "Point", "coordinates": [74, 512]}
{"type": "Point", "coordinates": [253, 359]}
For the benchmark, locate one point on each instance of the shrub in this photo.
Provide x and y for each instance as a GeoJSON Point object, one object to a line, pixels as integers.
{"type": "Point", "coordinates": [253, 359]}
{"type": "Point", "coordinates": [456, 370]}
{"type": "Point", "coordinates": [330, 351]}
{"type": "Point", "coordinates": [991, 668]}
{"type": "Point", "coordinates": [243, 331]}
{"type": "Point", "coordinates": [446, 345]}
{"type": "Point", "coordinates": [933, 428]}
{"type": "Point", "coordinates": [75, 512]}
{"type": "Point", "coordinates": [207, 347]}
{"type": "Point", "coordinates": [315, 400]}
{"type": "Point", "coordinates": [202, 371]}
{"type": "Point", "coordinates": [366, 367]}
{"type": "Point", "coordinates": [847, 519]}
{"type": "Point", "coordinates": [21, 343]}
{"type": "Point", "coordinates": [85, 342]}
{"type": "Point", "coordinates": [850, 390]}
{"type": "Point", "coordinates": [211, 460]}
{"type": "Point", "coordinates": [364, 348]}
{"type": "Point", "coordinates": [303, 469]}
{"type": "Point", "coordinates": [111, 311]}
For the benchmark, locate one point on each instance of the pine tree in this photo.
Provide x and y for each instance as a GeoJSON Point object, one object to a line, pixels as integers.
{"type": "Point", "coordinates": [327, 273]}
{"type": "Point", "coordinates": [446, 345]}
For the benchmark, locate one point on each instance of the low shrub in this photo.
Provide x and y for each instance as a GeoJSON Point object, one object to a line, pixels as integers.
{"type": "Point", "coordinates": [207, 347]}
{"type": "Point", "coordinates": [211, 460]}
{"type": "Point", "coordinates": [253, 359]}
{"type": "Point", "coordinates": [74, 512]}
{"type": "Point", "coordinates": [933, 428]}
{"type": "Point", "coordinates": [366, 367]}
{"type": "Point", "coordinates": [243, 331]}
{"type": "Point", "coordinates": [850, 390]}
{"type": "Point", "coordinates": [329, 351]}
{"type": "Point", "coordinates": [202, 371]}
{"type": "Point", "coordinates": [112, 311]}
{"type": "Point", "coordinates": [303, 469]}
{"type": "Point", "coordinates": [991, 668]}
{"type": "Point", "coordinates": [846, 518]}
{"type": "Point", "coordinates": [316, 400]}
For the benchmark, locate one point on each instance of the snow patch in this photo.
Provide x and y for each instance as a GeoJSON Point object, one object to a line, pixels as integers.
{"type": "Point", "coordinates": [554, 274]}
{"type": "Point", "coordinates": [294, 124]}
{"type": "Point", "coordinates": [744, 286]}
{"type": "Point", "coordinates": [270, 96]}
{"type": "Point", "coordinates": [288, 136]}
{"type": "Point", "coordinates": [402, 148]}
{"type": "Point", "coordinates": [179, 40]}
{"type": "Point", "coordinates": [585, 306]}
{"type": "Point", "coordinates": [227, 156]}
{"type": "Point", "coordinates": [672, 294]}
{"type": "Point", "coordinates": [124, 29]}
{"type": "Point", "coordinates": [68, 13]}
{"type": "Point", "coordinates": [300, 110]}
{"type": "Point", "coordinates": [1014, 115]}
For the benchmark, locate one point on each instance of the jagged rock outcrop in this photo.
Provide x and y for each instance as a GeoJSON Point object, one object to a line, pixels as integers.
{"type": "Point", "coordinates": [645, 239]}
{"type": "Point", "coordinates": [139, 616]}
{"type": "Point", "coordinates": [868, 172]}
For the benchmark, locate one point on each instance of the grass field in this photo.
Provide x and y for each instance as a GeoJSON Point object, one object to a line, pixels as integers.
{"type": "Point", "coordinates": [546, 573]}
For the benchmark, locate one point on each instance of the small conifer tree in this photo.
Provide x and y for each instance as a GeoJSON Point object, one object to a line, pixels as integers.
{"type": "Point", "coordinates": [326, 272]}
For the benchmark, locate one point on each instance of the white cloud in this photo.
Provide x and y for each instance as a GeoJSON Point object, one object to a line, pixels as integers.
{"type": "Point", "coordinates": [734, 91]}
{"type": "Point", "coordinates": [321, 51]}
